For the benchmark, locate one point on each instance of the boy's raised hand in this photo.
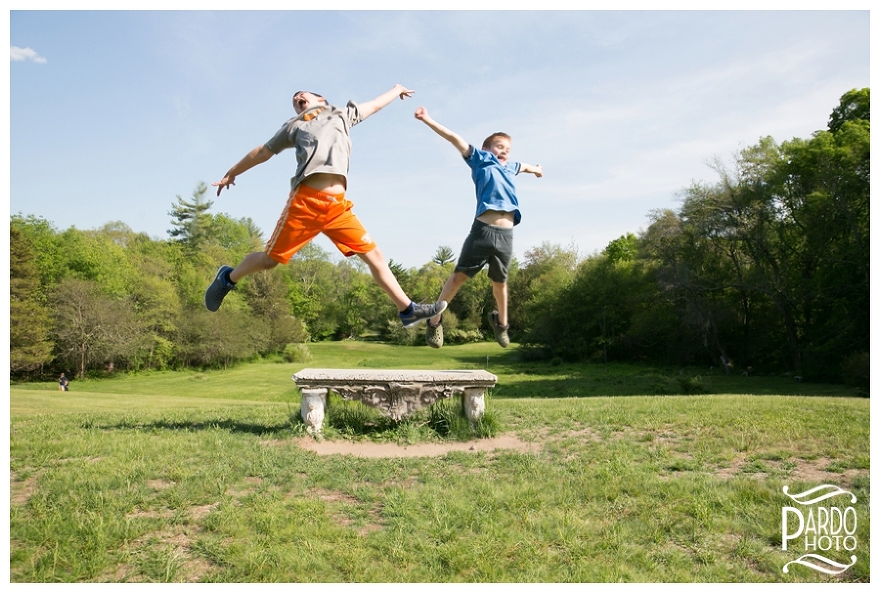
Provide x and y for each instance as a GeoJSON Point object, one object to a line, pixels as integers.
{"type": "Point", "coordinates": [536, 170]}
{"type": "Point", "coordinates": [226, 182]}
{"type": "Point", "coordinates": [457, 141]}
{"type": "Point", "coordinates": [403, 92]}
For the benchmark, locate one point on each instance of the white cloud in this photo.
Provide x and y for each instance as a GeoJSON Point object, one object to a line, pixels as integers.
{"type": "Point", "coordinates": [20, 54]}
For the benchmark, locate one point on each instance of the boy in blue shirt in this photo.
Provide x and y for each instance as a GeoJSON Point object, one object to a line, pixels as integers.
{"type": "Point", "coordinates": [491, 237]}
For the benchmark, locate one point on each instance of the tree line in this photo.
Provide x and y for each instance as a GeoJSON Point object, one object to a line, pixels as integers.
{"type": "Point", "coordinates": [764, 270]}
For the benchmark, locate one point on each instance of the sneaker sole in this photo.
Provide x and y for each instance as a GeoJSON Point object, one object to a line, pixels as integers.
{"type": "Point", "coordinates": [500, 334]}
{"type": "Point", "coordinates": [435, 343]}
{"type": "Point", "coordinates": [205, 298]}
{"type": "Point", "coordinates": [418, 321]}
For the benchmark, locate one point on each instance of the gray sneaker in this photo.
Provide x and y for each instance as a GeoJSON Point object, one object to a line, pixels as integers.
{"type": "Point", "coordinates": [500, 330]}
{"type": "Point", "coordinates": [218, 290]}
{"type": "Point", "coordinates": [434, 335]}
{"type": "Point", "coordinates": [422, 311]}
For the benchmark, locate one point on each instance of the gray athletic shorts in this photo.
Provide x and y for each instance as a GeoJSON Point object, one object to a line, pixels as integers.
{"type": "Point", "coordinates": [486, 244]}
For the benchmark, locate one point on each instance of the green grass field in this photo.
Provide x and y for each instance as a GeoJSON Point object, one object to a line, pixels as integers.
{"type": "Point", "coordinates": [621, 477]}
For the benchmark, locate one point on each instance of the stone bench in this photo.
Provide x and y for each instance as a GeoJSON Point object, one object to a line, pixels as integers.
{"type": "Point", "coordinates": [396, 393]}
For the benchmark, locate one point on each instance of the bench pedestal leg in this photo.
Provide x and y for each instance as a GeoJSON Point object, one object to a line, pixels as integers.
{"type": "Point", "coordinates": [474, 403]}
{"type": "Point", "coordinates": [314, 402]}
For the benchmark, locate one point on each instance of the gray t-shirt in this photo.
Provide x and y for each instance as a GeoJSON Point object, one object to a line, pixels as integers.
{"type": "Point", "coordinates": [322, 142]}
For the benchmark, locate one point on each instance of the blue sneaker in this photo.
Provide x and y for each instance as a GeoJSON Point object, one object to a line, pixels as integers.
{"type": "Point", "coordinates": [218, 290]}
{"type": "Point", "coordinates": [421, 312]}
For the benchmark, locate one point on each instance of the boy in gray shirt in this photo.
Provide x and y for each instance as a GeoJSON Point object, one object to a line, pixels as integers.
{"type": "Point", "coordinates": [319, 134]}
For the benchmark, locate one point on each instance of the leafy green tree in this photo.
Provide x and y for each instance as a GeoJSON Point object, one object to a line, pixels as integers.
{"type": "Point", "coordinates": [591, 317]}
{"type": "Point", "coordinates": [100, 257]}
{"type": "Point", "coordinates": [92, 329]}
{"type": "Point", "coordinates": [29, 323]}
{"type": "Point", "coordinates": [855, 106]}
{"type": "Point", "coordinates": [237, 237]}
{"type": "Point", "coordinates": [312, 289]}
{"type": "Point", "coordinates": [770, 265]}
{"type": "Point", "coordinates": [204, 339]}
{"type": "Point", "coordinates": [534, 289]}
{"type": "Point", "coordinates": [49, 255]}
{"type": "Point", "coordinates": [266, 296]}
{"type": "Point", "coordinates": [623, 249]}
{"type": "Point", "coordinates": [155, 300]}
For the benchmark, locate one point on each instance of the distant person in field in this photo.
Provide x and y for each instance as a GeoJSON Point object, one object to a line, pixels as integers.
{"type": "Point", "coordinates": [319, 135]}
{"type": "Point", "coordinates": [63, 383]}
{"type": "Point", "coordinates": [491, 237]}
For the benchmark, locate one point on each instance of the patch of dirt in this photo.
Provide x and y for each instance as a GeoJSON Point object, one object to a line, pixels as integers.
{"type": "Point", "coordinates": [813, 470]}
{"type": "Point", "coordinates": [192, 568]}
{"type": "Point", "coordinates": [163, 514]}
{"type": "Point", "coordinates": [341, 516]}
{"type": "Point", "coordinates": [200, 512]}
{"type": "Point", "coordinates": [21, 491]}
{"type": "Point", "coordinates": [382, 450]}
{"type": "Point", "coordinates": [122, 573]}
{"type": "Point", "coordinates": [332, 496]}
{"type": "Point", "coordinates": [249, 481]}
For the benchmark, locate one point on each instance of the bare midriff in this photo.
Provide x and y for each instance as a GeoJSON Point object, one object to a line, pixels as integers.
{"type": "Point", "coordinates": [329, 183]}
{"type": "Point", "coordinates": [497, 218]}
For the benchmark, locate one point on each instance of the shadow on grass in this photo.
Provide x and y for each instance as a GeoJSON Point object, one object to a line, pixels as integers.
{"type": "Point", "coordinates": [611, 380]}
{"type": "Point", "coordinates": [233, 426]}
{"type": "Point", "coordinates": [443, 420]}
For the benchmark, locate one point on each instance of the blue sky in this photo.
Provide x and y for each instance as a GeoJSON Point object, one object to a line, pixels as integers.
{"type": "Point", "coordinates": [114, 114]}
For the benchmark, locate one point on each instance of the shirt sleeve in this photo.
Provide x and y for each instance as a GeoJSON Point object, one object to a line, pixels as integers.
{"type": "Point", "coordinates": [353, 114]}
{"type": "Point", "coordinates": [281, 140]}
{"type": "Point", "coordinates": [476, 158]}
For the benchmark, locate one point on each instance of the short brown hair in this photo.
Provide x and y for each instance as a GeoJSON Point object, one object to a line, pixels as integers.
{"type": "Point", "coordinates": [488, 141]}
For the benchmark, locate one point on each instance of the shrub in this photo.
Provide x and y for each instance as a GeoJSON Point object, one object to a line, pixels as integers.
{"type": "Point", "coordinates": [534, 353]}
{"type": "Point", "coordinates": [458, 336]}
{"type": "Point", "coordinates": [297, 353]}
{"type": "Point", "coordinates": [856, 371]}
{"type": "Point", "coordinates": [662, 386]}
{"type": "Point", "coordinates": [692, 385]}
{"type": "Point", "coordinates": [395, 333]}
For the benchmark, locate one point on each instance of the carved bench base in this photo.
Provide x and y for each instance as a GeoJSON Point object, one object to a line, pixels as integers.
{"type": "Point", "coordinates": [396, 393]}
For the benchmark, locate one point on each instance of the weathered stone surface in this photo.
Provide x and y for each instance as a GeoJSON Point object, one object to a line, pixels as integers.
{"type": "Point", "coordinates": [466, 377]}
{"type": "Point", "coordinates": [396, 393]}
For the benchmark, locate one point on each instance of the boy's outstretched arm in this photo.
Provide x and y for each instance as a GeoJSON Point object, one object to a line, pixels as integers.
{"type": "Point", "coordinates": [457, 141]}
{"type": "Point", "coordinates": [370, 107]}
{"type": "Point", "coordinates": [527, 168]}
{"type": "Point", "coordinates": [260, 154]}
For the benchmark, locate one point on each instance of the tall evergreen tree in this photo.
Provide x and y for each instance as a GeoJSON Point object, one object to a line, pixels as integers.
{"type": "Point", "coordinates": [191, 222]}
{"type": "Point", "coordinates": [443, 255]}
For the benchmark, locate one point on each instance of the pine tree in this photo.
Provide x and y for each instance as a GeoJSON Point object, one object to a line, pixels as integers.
{"type": "Point", "coordinates": [191, 221]}
{"type": "Point", "coordinates": [443, 255]}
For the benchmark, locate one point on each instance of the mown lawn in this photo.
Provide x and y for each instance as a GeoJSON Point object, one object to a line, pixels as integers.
{"type": "Point", "coordinates": [202, 476]}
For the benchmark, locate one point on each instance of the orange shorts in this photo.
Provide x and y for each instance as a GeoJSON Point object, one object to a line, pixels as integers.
{"type": "Point", "coordinates": [309, 212]}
